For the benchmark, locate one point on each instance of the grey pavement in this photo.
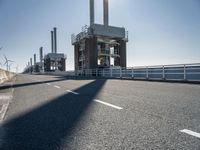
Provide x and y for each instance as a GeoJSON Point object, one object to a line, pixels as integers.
{"type": "Point", "coordinates": [5, 97]}
{"type": "Point", "coordinates": [58, 113]}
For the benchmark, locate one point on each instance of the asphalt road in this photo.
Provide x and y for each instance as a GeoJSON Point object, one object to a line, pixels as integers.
{"type": "Point", "coordinates": [56, 113]}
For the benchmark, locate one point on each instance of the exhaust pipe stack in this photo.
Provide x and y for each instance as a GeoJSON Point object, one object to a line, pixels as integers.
{"type": "Point", "coordinates": [34, 59]}
{"type": "Point", "coordinates": [105, 12]}
{"type": "Point", "coordinates": [54, 40]}
{"type": "Point", "coordinates": [41, 54]}
{"type": "Point", "coordinates": [91, 12]}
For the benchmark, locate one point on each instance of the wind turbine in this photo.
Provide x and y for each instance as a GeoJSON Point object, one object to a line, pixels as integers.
{"type": "Point", "coordinates": [10, 66]}
{"type": "Point", "coordinates": [7, 62]}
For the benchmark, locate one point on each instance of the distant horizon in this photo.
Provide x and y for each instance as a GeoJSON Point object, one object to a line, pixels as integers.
{"type": "Point", "coordinates": [160, 32]}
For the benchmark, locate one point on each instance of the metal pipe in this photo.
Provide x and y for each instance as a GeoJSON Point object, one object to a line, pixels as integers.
{"type": "Point", "coordinates": [52, 43]}
{"type": "Point", "coordinates": [55, 40]}
{"type": "Point", "coordinates": [91, 12]}
{"type": "Point", "coordinates": [34, 59]}
{"type": "Point", "coordinates": [105, 12]}
{"type": "Point", "coordinates": [41, 54]}
{"type": "Point", "coordinates": [31, 62]}
{"type": "Point", "coordinates": [31, 65]}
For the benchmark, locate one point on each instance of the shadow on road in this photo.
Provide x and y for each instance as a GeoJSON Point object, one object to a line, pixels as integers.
{"type": "Point", "coordinates": [46, 127]}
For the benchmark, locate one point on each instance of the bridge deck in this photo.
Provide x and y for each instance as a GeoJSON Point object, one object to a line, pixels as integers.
{"type": "Point", "coordinates": [52, 112]}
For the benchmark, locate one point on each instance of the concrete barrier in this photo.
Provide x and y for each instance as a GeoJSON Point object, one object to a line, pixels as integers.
{"type": "Point", "coordinates": [5, 75]}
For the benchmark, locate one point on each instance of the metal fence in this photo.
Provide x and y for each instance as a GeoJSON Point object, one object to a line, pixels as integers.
{"type": "Point", "coordinates": [182, 72]}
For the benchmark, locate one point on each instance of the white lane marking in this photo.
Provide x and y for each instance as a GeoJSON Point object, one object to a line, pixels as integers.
{"type": "Point", "coordinates": [72, 92]}
{"type": "Point", "coordinates": [57, 87]}
{"type": "Point", "coordinates": [48, 84]}
{"type": "Point", "coordinates": [5, 97]}
{"type": "Point", "coordinates": [3, 111]}
{"type": "Point", "coordinates": [191, 133]}
{"type": "Point", "coordinates": [108, 104]}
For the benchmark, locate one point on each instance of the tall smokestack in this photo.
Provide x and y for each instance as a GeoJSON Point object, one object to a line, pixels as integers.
{"type": "Point", "coordinates": [52, 42]}
{"type": "Point", "coordinates": [55, 40]}
{"type": "Point", "coordinates": [105, 12]}
{"type": "Point", "coordinates": [31, 62]}
{"type": "Point", "coordinates": [34, 59]}
{"type": "Point", "coordinates": [91, 12]}
{"type": "Point", "coordinates": [31, 65]}
{"type": "Point", "coordinates": [41, 54]}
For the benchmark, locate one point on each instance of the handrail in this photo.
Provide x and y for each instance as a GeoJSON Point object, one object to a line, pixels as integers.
{"type": "Point", "coordinates": [183, 72]}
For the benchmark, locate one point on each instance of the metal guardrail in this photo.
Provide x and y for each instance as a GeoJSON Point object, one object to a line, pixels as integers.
{"type": "Point", "coordinates": [182, 72]}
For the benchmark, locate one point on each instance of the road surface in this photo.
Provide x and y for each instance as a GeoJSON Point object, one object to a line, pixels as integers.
{"type": "Point", "coordinates": [56, 113]}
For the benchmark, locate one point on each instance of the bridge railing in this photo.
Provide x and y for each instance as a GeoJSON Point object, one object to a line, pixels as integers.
{"type": "Point", "coordinates": [182, 72]}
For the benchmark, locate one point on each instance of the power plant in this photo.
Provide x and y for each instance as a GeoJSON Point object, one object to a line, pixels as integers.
{"type": "Point", "coordinates": [100, 45]}
{"type": "Point", "coordinates": [51, 62]}
{"type": "Point", "coordinates": [54, 61]}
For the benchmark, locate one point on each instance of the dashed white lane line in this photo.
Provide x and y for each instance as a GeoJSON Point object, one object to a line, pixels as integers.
{"type": "Point", "coordinates": [96, 100]}
{"type": "Point", "coordinates": [191, 133]}
{"type": "Point", "coordinates": [3, 111]}
{"type": "Point", "coordinates": [72, 92]}
{"type": "Point", "coordinates": [5, 97]}
{"type": "Point", "coordinates": [108, 104]}
{"type": "Point", "coordinates": [57, 87]}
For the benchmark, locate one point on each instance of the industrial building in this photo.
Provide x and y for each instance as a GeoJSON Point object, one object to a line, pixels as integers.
{"type": "Point", "coordinates": [54, 61]}
{"type": "Point", "coordinates": [100, 45]}
{"type": "Point", "coordinates": [49, 63]}
{"type": "Point", "coordinates": [38, 66]}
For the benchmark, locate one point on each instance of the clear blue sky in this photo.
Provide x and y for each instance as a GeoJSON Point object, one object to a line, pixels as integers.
{"type": "Point", "coordinates": [160, 31]}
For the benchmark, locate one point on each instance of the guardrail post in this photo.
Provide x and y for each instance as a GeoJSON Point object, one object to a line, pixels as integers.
{"type": "Point", "coordinates": [147, 73]}
{"type": "Point", "coordinates": [103, 73]}
{"type": "Point", "coordinates": [184, 69]}
{"type": "Point", "coordinates": [96, 72]}
{"type": "Point", "coordinates": [111, 73]}
{"type": "Point", "coordinates": [120, 72]}
{"type": "Point", "coordinates": [132, 73]}
{"type": "Point", "coordinates": [163, 72]}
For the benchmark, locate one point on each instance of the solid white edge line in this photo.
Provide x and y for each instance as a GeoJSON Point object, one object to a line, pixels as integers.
{"type": "Point", "coordinates": [190, 133]}
{"type": "Point", "coordinates": [72, 92]}
{"type": "Point", "coordinates": [108, 104]}
{"type": "Point", "coordinates": [57, 87]}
